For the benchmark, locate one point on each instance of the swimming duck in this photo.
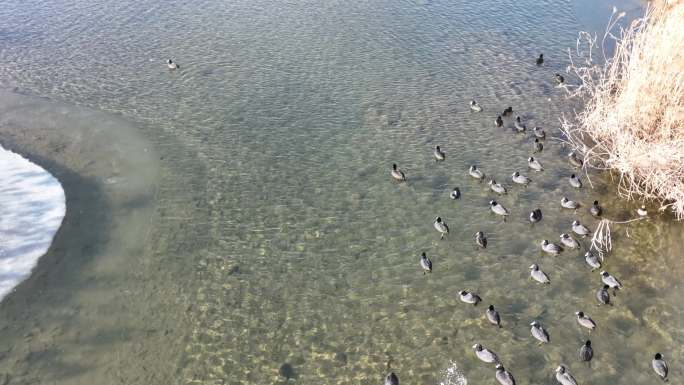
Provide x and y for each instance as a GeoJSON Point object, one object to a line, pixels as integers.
{"type": "Point", "coordinates": [575, 160]}
{"type": "Point", "coordinates": [539, 133]}
{"type": "Point", "coordinates": [586, 353]}
{"type": "Point", "coordinates": [484, 354]}
{"type": "Point", "coordinates": [469, 297]}
{"type": "Point", "coordinates": [538, 275]}
{"type": "Point", "coordinates": [575, 181]}
{"type": "Point", "coordinates": [425, 263]}
{"type": "Point", "coordinates": [610, 280]}
{"type": "Point", "coordinates": [480, 239]}
{"type": "Point", "coordinates": [497, 187]}
{"type": "Point", "coordinates": [439, 154]}
{"type": "Point", "coordinates": [504, 376]}
{"type": "Point", "coordinates": [538, 146]}
{"type": "Point", "coordinates": [595, 210]}
{"type": "Point", "coordinates": [641, 211]}
{"type": "Point", "coordinates": [540, 59]}
{"type": "Point", "coordinates": [603, 296]}
{"type": "Point", "coordinates": [569, 241]}
{"type": "Point", "coordinates": [475, 172]}
{"type": "Point", "coordinates": [660, 366]}
{"type": "Point", "coordinates": [550, 248]}
{"type": "Point", "coordinates": [568, 204]}
{"type": "Point", "coordinates": [585, 321]}
{"type": "Point", "coordinates": [539, 333]}
{"type": "Point", "coordinates": [580, 229]}
{"type": "Point", "coordinates": [564, 377]}
{"type": "Point", "coordinates": [519, 126]}
{"type": "Point", "coordinates": [498, 209]}
{"type": "Point", "coordinates": [559, 79]}
{"type": "Point", "coordinates": [534, 164]}
{"type": "Point", "coordinates": [520, 179]}
{"type": "Point", "coordinates": [499, 121]}
{"type": "Point", "coordinates": [441, 226]}
{"type": "Point", "coordinates": [592, 260]}
{"type": "Point", "coordinates": [536, 215]}
{"type": "Point", "coordinates": [508, 111]}
{"type": "Point", "coordinates": [398, 174]}
{"type": "Point", "coordinates": [455, 194]}
{"type": "Point", "coordinates": [172, 66]}
{"type": "Point", "coordinates": [392, 379]}
{"type": "Point", "coordinates": [493, 316]}
{"type": "Point", "coordinates": [474, 106]}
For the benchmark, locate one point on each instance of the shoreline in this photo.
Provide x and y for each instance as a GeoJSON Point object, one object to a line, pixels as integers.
{"type": "Point", "coordinates": [77, 297]}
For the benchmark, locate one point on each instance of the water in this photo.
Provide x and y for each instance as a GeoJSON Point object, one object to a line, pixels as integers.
{"type": "Point", "coordinates": [276, 247]}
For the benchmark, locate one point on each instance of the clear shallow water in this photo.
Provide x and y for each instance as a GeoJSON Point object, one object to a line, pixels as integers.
{"type": "Point", "coordinates": [277, 235]}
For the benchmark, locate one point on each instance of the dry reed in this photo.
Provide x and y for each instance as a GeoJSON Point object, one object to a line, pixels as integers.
{"type": "Point", "coordinates": [632, 120]}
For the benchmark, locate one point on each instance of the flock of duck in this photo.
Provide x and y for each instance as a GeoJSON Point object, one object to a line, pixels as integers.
{"type": "Point", "coordinates": [586, 353]}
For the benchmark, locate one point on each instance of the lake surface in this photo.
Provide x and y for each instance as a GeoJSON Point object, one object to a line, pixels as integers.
{"type": "Point", "coordinates": [277, 248]}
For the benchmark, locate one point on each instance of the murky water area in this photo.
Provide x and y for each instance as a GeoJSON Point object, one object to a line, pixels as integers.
{"type": "Point", "coordinates": [234, 222]}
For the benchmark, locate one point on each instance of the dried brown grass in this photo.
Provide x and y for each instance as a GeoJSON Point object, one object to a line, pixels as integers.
{"type": "Point", "coordinates": [632, 120]}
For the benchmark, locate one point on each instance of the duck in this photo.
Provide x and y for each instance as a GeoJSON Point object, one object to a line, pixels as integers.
{"type": "Point", "coordinates": [497, 187]}
{"type": "Point", "coordinates": [499, 121]}
{"type": "Point", "coordinates": [660, 366]}
{"type": "Point", "coordinates": [474, 106]}
{"type": "Point", "coordinates": [519, 126]}
{"type": "Point", "coordinates": [534, 164]}
{"type": "Point", "coordinates": [469, 297]}
{"type": "Point", "coordinates": [425, 263]}
{"type": "Point", "coordinates": [455, 194]}
{"type": "Point", "coordinates": [610, 280]}
{"type": "Point", "coordinates": [586, 352]}
{"type": "Point", "coordinates": [575, 160]}
{"type": "Point", "coordinates": [172, 65]}
{"type": "Point", "coordinates": [498, 208]}
{"type": "Point", "coordinates": [508, 111]}
{"type": "Point", "coordinates": [392, 379]}
{"type": "Point", "coordinates": [476, 173]}
{"type": "Point", "coordinates": [485, 355]}
{"type": "Point", "coordinates": [595, 210]}
{"type": "Point", "coordinates": [592, 260]}
{"type": "Point", "coordinates": [580, 229]}
{"type": "Point", "coordinates": [441, 226]}
{"type": "Point", "coordinates": [550, 248]}
{"type": "Point", "coordinates": [564, 377]}
{"type": "Point", "coordinates": [538, 146]}
{"type": "Point", "coordinates": [481, 239]}
{"type": "Point", "coordinates": [539, 133]}
{"type": "Point", "coordinates": [539, 333]}
{"type": "Point", "coordinates": [585, 321]}
{"type": "Point", "coordinates": [398, 174]}
{"type": "Point", "coordinates": [568, 204]}
{"type": "Point", "coordinates": [536, 215]}
{"type": "Point", "coordinates": [439, 154]}
{"type": "Point", "coordinates": [559, 78]}
{"type": "Point", "coordinates": [503, 376]}
{"type": "Point", "coordinates": [520, 179]}
{"type": "Point", "coordinates": [641, 211]}
{"type": "Point", "coordinates": [493, 316]}
{"type": "Point", "coordinates": [539, 275]}
{"type": "Point", "coordinates": [602, 295]}
{"type": "Point", "coordinates": [575, 181]}
{"type": "Point", "coordinates": [540, 59]}
{"type": "Point", "coordinates": [569, 241]}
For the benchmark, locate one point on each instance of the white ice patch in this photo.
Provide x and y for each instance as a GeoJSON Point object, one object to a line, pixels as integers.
{"type": "Point", "coordinates": [453, 376]}
{"type": "Point", "coordinates": [32, 206]}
